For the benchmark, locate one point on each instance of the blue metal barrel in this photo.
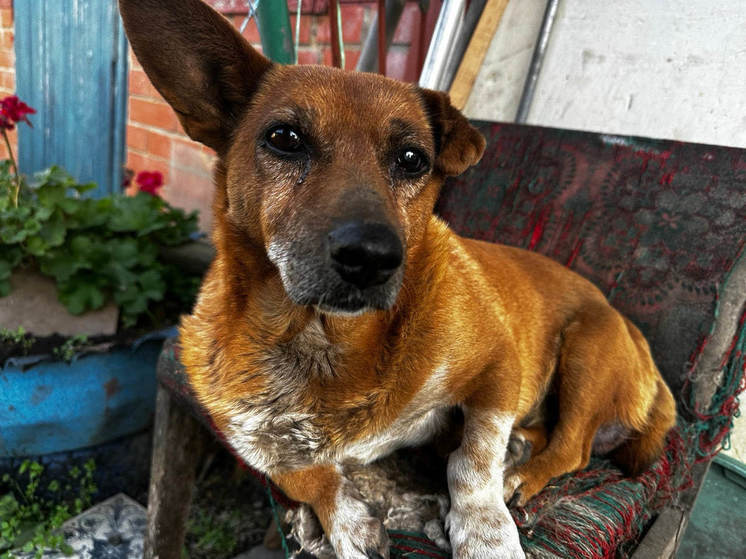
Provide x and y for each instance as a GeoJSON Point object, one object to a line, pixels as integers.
{"type": "Point", "coordinates": [55, 406]}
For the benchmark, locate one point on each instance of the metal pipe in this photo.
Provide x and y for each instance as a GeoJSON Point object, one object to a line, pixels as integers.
{"type": "Point", "coordinates": [368, 61]}
{"type": "Point", "coordinates": [273, 21]}
{"type": "Point", "coordinates": [461, 41]}
{"type": "Point", "coordinates": [536, 61]}
{"type": "Point", "coordinates": [334, 32]}
{"type": "Point", "coordinates": [449, 23]}
{"type": "Point", "coordinates": [382, 43]}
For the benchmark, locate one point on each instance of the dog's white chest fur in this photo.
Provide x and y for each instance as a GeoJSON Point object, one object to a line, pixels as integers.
{"type": "Point", "coordinates": [275, 430]}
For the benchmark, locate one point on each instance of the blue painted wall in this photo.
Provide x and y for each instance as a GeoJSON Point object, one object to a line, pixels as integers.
{"type": "Point", "coordinates": [71, 66]}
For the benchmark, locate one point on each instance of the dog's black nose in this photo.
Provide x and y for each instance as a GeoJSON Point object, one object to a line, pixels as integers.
{"type": "Point", "coordinates": [365, 254]}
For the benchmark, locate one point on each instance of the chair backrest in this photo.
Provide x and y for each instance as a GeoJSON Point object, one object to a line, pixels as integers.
{"type": "Point", "coordinates": [657, 225]}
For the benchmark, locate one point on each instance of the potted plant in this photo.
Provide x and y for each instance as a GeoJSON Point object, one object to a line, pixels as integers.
{"type": "Point", "coordinates": [77, 389]}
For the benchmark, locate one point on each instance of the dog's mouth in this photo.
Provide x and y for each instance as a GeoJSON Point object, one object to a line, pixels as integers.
{"type": "Point", "coordinates": [354, 270]}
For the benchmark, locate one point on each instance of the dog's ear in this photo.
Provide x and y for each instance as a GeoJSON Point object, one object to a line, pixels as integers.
{"type": "Point", "coordinates": [457, 143]}
{"type": "Point", "coordinates": [198, 61]}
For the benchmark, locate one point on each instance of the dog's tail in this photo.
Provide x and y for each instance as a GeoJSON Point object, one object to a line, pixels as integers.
{"type": "Point", "coordinates": [643, 447]}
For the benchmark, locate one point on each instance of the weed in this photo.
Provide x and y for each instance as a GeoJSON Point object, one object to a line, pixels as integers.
{"type": "Point", "coordinates": [67, 350]}
{"type": "Point", "coordinates": [18, 337]}
{"type": "Point", "coordinates": [31, 523]}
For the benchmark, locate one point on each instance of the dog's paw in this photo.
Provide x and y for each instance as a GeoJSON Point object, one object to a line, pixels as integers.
{"type": "Point", "coordinates": [511, 489]}
{"type": "Point", "coordinates": [356, 534]}
{"type": "Point", "coordinates": [484, 533]}
{"type": "Point", "coordinates": [518, 451]}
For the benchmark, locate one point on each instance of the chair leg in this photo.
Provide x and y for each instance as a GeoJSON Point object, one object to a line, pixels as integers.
{"type": "Point", "coordinates": [178, 443]}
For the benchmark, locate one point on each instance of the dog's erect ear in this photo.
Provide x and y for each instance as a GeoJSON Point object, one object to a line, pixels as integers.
{"type": "Point", "coordinates": [197, 60]}
{"type": "Point", "coordinates": [458, 144]}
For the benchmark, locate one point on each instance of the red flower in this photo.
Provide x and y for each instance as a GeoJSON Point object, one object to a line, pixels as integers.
{"type": "Point", "coordinates": [13, 111]}
{"type": "Point", "coordinates": [149, 182]}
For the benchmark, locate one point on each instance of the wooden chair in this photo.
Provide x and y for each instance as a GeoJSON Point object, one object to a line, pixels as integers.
{"type": "Point", "coordinates": [660, 227]}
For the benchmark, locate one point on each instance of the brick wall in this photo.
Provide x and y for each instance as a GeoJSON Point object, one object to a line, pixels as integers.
{"type": "Point", "coordinates": [7, 63]}
{"type": "Point", "coordinates": [155, 140]}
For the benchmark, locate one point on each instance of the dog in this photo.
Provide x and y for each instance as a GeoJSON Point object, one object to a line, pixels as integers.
{"type": "Point", "coordinates": [341, 320]}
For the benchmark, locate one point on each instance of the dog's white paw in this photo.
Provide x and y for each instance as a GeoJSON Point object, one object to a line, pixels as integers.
{"type": "Point", "coordinates": [355, 533]}
{"type": "Point", "coordinates": [487, 532]}
{"type": "Point", "coordinates": [510, 486]}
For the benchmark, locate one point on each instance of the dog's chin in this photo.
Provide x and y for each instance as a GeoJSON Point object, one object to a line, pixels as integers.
{"type": "Point", "coordinates": [343, 300]}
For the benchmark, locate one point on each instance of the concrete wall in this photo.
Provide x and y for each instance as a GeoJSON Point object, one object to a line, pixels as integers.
{"type": "Point", "coordinates": [670, 69]}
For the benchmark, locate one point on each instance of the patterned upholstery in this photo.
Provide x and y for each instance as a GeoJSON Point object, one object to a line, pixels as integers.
{"type": "Point", "coordinates": [659, 227]}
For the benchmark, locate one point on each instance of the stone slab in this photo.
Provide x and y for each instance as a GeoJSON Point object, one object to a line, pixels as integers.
{"type": "Point", "coordinates": [112, 529]}
{"type": "Point", "coordinates": [33, 304]}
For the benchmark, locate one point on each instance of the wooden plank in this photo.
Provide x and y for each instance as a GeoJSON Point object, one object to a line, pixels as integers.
{"type": "Point", "coordinates": [475, 52]}
{"type": "Point", "coordinates": [663, 538]}
{"type": "Point", "coordinates": [178, 443]}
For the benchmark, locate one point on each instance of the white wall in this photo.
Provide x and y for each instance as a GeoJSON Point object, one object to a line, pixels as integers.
{"type": "Point", "coordinates": [673, 69]}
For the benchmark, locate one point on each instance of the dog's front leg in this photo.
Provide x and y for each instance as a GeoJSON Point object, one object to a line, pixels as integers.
{"type": "Point", "coordinates": [479, 523]}
{"type": "Point", "coordinates": [351, 528]}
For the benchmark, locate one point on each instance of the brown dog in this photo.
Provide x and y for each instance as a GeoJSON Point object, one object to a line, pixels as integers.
{"type": "Point", "coordinates": [341, 319]}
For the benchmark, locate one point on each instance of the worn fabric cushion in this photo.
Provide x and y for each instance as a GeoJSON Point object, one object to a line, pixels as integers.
{"type": "Point", "coordinates": [659, 227]}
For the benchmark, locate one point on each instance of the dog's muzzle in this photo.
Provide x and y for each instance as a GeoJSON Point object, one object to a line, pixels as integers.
{"type": "Point", "coordinates": [365, 254]}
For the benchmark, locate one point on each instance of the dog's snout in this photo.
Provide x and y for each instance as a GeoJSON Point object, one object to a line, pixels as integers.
{"type": "Point", "coordinates": [365, 254]}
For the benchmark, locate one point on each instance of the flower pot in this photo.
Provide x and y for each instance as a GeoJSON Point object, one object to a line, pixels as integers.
{"type": "Point", "coordinates": [54, 406]}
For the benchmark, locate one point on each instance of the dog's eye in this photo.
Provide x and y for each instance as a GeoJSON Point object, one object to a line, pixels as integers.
{"type": "Point", "coordinates": [412, 162]}
{"type": "Point", "coordinates": [285, 140]}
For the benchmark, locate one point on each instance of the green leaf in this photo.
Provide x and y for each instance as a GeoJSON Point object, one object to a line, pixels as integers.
{"type": "Point", "coordinates": [83, 188]}
{"type": "Point", "coordinates": [59, 265]}
{"type": "Point", "coordinates": [54, 230]}
{"type": "Point", "coordinates": [36, 245]}
{"type": "Point", "coordinates": [80, 296]}
{"type": "Point", "coordinates": [133, 213]}
{"type": "Point", "coordinates": [152, 284]}
{"type": "Point", "coordinates": [51, 194]}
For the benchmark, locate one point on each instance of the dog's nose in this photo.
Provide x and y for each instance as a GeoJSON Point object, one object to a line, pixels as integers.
{"type": "Point", "coordinates": [365, 254]}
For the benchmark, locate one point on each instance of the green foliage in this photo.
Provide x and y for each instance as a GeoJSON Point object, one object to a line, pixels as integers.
{"type": "Point", "coordinates": [70, 347]}
{"type": "Point", "coordinates": [30, 522]}
{"type": "Point", "coordinates": [18, 337]}
{"type": "Point", "coordinates": [214, 537]}
{"type": "Point", "coordinates": [97, 250]}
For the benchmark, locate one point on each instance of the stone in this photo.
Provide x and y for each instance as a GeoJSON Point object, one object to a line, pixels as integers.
{"type": "Point", "coordinates": [33, 304]}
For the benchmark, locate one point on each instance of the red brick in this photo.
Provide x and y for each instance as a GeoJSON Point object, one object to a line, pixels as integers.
{"type": "Point", "coordinates": [396, 63]}
{"type": "Point", "coordinates": [158, 145]}
{"type": "Point", "coordinates": [251, 33]}
{"type": "Point", "coordinates": [189, 156]}
{"type": "Point", "coordinates": [6, 3]}
{"type": "Point", "coordinates": [137, 138]}
{"type": "Point", "coordinates": [6, 17]}
{"type": "Point", "coordinates": [351, 57]}
{"type": "Point", "coordinates": [8, 79]}
{"type": "Point", "coordinates": [305, 29]}
{"type": "Point", "coordinates": [139, 162]}
{"type": "Point", "coordinates": [134, 62]}
{"type": "Point", "coordinates": [309, 56]}
{"type": "Point", "coordinates": [153, 113]}
{"type": "Point", "coordinates": [139, 84]}
{"type": "Point", "coordinates": [191, 191]}
{"type": "Point", "coordinates": [13, 139]}
{"type": "Point", "coordinates": [7, 38]}
{"type": "Point", "coordinates": [409, 26]}
{"type": "Point", "coordinates": [7, 59]}
{"type": "Point", "coordinates": [352, 25]}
